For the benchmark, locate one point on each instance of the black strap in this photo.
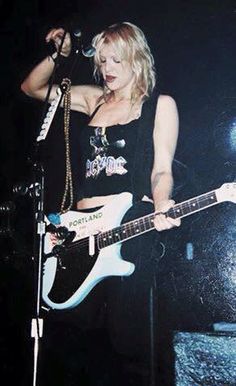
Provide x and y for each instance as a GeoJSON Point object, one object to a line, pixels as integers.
{"type": "Point", "coordinates": [95, 111]}
{"type": "Point", "coordinates": [144, 156]}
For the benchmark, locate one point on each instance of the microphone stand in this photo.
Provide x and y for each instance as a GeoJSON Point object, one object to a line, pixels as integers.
{"type": "Point", "coordinates": [40, 228]}
{"type": "Point", "coordinates": [39, 233]}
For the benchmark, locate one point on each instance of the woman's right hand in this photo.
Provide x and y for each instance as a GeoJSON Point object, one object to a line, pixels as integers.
{"type": "Point", "coordinates": [55, 35]}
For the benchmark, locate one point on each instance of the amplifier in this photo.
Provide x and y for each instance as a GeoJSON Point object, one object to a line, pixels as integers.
{"type": "Point", "coordinates": [205, 358]}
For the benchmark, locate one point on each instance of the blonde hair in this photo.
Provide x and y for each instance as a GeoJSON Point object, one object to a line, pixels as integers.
{"type": "Point", "coordinates": [131, 45]}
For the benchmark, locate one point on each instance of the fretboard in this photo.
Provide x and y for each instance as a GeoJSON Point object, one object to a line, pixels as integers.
{"type": "Point", "coordinates": [193, 205]}
{"type": "Point", "coordinates": [146, 223]}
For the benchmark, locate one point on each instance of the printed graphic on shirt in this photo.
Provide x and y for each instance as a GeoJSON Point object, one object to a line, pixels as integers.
{"type": "Point", "coordinates": [101, 161]}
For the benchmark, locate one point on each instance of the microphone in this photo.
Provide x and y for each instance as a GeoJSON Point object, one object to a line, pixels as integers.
{"type": "Point", "coordinates": [77, 33]}
{"type": "Point", "coordinates": [89, 51]}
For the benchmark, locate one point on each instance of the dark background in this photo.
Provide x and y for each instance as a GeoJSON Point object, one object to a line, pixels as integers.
{"type": "Point", "coordinates": [193, 43]}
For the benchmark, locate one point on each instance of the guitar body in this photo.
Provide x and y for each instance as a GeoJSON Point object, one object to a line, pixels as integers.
{"type": "Point", "coordinates": [86, 268]}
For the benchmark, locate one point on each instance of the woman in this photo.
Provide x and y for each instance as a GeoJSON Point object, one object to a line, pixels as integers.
{"type": "Point", "coordinates": [124, 61]}
{"type": "Point", "coordinates": [131, 136]}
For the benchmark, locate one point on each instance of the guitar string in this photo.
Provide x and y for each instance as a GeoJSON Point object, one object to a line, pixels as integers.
{"type": "Point", "coordinates": [115, 233]}
{"type": "Point", "coordinates": [132, 225]}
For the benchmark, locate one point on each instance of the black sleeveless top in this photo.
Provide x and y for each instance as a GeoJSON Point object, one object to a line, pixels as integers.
{"type": "Point", "coordinates": [118, 158]}
{"type": "Point", "coordinates": [107, 159]}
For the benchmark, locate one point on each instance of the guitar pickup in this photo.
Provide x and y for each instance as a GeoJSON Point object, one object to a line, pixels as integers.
{"type": "Point", "coordinates": [91, 245]}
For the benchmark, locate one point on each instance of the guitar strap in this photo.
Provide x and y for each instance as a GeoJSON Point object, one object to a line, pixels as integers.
{"type": "Point", "coordinates": [94, 112]}
{"type": "Point", "coordinates": [144, 153]}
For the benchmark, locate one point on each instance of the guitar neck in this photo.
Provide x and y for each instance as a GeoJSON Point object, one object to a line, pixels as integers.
{"type": "Point", "coordinates": [193, 205]}
{"type": "Point", "coordinates": [146, 223]}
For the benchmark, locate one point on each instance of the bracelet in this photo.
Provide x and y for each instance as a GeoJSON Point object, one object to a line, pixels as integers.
{"type": "Point", "coordinates": [54, 56]}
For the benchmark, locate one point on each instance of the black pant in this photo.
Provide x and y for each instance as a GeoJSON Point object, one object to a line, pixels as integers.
{"type": "Point", "coordinates": [108, 338]}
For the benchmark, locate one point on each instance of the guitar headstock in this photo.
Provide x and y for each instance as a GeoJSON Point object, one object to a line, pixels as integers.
{"type": "Point", "coordinates": [227, 192]}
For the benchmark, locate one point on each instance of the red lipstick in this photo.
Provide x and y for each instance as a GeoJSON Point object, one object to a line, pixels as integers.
{"type": "Point", "coordinates": [110, 78]}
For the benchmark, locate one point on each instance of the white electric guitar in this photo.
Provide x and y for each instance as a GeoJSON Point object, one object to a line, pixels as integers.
{"type": "Point", "coordinates": [95, 249]}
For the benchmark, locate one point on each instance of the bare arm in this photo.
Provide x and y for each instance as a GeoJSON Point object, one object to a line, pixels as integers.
{"type": "Point", "coordinates": [83, 98]}
{"type": "Point", "coordinates": [165, 140]}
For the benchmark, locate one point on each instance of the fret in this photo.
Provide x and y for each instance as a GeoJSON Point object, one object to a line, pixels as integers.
{"type": "Point", "coordinates": [210, 199]}
{"type": "Point", "coordinates": [108, 236]}
{"type": "Point", "coordinates": [116, 237]}
{"type": "Point", "coordinates": [136, 227]}
{"type": "Point", "coordinates": [150, 221]}
{"type": "Point", "coordinates": [104, 239]}
{"type": "Point", "coordinates": [126, 231]}
{"type": "Point", "coordinates": [146, 223]}
{"type": "Point", "coordinates": [193, 205]}
{"type": "Point", "coordinates": [142, 225]}
{"type": "Point", "coordinates": [123, 232]}
{"type": "Point", "coordinates": [100, 241]}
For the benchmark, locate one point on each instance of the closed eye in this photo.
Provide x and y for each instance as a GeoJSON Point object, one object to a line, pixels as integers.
{"type": "Point", "coordinates": [115, 60]}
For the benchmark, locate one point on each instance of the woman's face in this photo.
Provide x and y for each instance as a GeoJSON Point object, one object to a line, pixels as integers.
{"type": "Point", "coordinates": [117, 72]}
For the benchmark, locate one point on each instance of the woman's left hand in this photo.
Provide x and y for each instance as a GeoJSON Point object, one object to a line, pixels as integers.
{"type": "Point", "coordinates": [162, 222]}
